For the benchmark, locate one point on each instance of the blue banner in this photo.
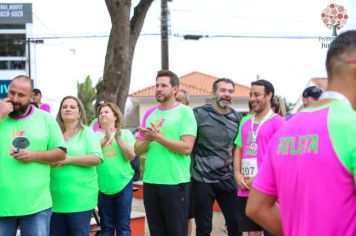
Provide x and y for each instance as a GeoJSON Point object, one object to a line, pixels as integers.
{"type": "Point", "coordinates": [4, 88]}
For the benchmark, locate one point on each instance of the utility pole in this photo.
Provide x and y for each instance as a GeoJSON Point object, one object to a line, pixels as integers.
{"type": "Point", "coordinates": [164, 35]}
{"type": "Point", "coordinates": [29, 42]}
{"type": "Point", "coordinates": [29, 56]}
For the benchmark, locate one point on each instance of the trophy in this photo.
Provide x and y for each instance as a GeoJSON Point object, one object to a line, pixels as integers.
{"type": "Point", "coordinates": [20, 143]}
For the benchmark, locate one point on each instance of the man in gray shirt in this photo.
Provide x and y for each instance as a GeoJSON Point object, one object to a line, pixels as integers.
{"type": "Point", "coordinates": [212, 171]}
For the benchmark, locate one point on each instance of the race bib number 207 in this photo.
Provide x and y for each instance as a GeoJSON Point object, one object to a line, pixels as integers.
{"type": "Point", "coordinates": [249, 167]}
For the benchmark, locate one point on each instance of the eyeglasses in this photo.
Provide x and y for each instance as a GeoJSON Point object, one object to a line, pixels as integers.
{"type": "Point", "coordinates": [313, 91]}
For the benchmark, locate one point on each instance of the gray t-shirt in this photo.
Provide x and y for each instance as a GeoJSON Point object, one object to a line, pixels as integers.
{"type": "Point", "coordinates": [212, 153]}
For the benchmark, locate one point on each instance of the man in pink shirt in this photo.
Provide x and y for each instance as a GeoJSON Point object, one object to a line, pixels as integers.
{"type": "Point", "coordinates": [37, 97]}
{"type": "Point", "coordinates": [310, 164]}
{"type": "Point", "coordinates": [255, 131]}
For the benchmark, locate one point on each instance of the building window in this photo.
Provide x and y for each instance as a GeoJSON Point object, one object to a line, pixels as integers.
{"type": "Point", "coordinates": [12, 45]}
{"type": "Point", "coordinates": [12, 26]}
{"type": "Point", "coordinates": [13, 65]}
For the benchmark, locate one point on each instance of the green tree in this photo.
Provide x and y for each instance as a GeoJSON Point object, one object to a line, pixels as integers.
{"type": "Point", "coordinates": [289, 106]}
{"type": "Point", "coordinates": [284, 106]}
{"type": "Point", "coordinates": [87, 94]}
{"type": "Point", "coordinates": [124, 34]}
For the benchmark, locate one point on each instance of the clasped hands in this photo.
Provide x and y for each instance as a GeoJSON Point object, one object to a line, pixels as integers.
{"type": "Point", "coordinates": [151, 133]}
{"type": "Point", "coordinates": [245, 182]}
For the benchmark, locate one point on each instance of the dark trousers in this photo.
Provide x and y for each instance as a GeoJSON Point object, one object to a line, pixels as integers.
{"type": "Point", "coordinates": [204, 195]}
{"type": "Point", "coordinates": [70, 224]}
{"type": "Point", "coordinates": [115, 212]}
{"type": "Point", "coordinates": [167, 208]}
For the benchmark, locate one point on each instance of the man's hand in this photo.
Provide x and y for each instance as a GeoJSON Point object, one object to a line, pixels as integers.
{"type": "Point", "coordinates": [5, 107]}
{"type": "Point", "coordinates": [151, 133]}
{"type": "Point", "coordinates": [148, 133]}
{"type": "Point", "coordinates": [24, 155]}
{"type": "Point", "coordinates": [249, 181]}
{"type": "Point", "coordinates": [242, 182]}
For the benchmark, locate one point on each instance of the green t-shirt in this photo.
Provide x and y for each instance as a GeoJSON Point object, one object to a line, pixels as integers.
{"type": "Point", "coordinates": [25, 187]}
{"type": "Point", "coordinates": [115, 172]}
{"type": "Point", "coordinates": [163, 166]}
{"type": "Point", "coordinates": [75, 188]}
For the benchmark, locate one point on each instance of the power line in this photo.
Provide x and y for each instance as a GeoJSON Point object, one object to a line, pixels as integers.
{"type": "Point", "coordinates": [182, 35]}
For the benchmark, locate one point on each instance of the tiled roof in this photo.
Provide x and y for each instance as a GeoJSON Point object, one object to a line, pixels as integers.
{"type": "Point", "coordinates": [320, 82]}
{"type": "Point", "coordinates": [197, 84]}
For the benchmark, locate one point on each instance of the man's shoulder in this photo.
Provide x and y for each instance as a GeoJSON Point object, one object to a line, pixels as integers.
{"type": "Point", "coordinates": [246, 118]}
{"type": "Point", "coordinates": [42, 113]}
{"type": "Point", "coordinates": [151, 109]}
{"type": "Point", "coordinates": [278, 119]}
{"type": "Point", "coordinates": [203, 108]}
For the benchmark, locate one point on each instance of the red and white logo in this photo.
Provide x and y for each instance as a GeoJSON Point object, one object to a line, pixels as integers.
{"type": "Point", "coordinates": [334, 17]}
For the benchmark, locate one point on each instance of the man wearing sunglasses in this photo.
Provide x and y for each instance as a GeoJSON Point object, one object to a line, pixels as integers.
{"type": "Point", "coordinates": [311, 95]}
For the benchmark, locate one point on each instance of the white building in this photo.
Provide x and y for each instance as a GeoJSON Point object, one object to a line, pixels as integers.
{"type": "Point", "coordinates": [198, 85]}
{"type": "Point", "coordinates": [15, 46]}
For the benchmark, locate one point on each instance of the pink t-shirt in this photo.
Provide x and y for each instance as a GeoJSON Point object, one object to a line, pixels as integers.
{"type": "Point", "coordinates": [244, 140]}
{"type": "Point", "coordinates": [310, 167]}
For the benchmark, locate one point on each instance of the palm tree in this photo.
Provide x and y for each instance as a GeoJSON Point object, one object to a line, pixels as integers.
{"type": "Point", "coordinates": [87, 94]}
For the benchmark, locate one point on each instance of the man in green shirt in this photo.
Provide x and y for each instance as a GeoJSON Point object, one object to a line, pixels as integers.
{"type": "Point", "coordinates": [167, 135]}
{"type": "Point", "coordinates": [30, 140]}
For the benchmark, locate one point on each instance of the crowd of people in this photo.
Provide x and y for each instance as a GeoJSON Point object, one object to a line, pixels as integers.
{"type": "Point", "coordinates": [271, 174]}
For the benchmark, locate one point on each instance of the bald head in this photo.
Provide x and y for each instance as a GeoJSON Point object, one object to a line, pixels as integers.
{"type": "Point", "coordinates": [20, 95]}
{"type": "Point", "coordinates": [23, 79]}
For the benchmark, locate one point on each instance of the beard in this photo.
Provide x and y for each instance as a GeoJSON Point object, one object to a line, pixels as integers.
{"type": "Point", "coordinates": [223, 102]}
{"type": "Point", "coordinates": [19, 110]}
{"type": "Point", "coordinates": [163, 99]}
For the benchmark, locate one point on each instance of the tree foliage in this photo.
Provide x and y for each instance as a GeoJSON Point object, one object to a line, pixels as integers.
{"type": "Point", "coordinates": [87, 94]}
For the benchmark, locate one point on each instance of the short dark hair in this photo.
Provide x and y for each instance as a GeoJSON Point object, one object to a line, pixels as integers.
{"type": "Point", "coordinates": [267, 85]}
{"type": "Point", "coordinates": [312, 91]}
{"type": "Point", "coordinates": [173, 78]}
{"type": "Point", "coordinates": [36, 91]}
{"type": "Point", "coordinates": [345, 43]}
{"type": "Point", "coordinates": [226, 80]}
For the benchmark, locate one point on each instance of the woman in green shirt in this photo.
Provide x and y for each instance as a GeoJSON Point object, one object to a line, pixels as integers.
{"type": "Point", "coordinates": [74, 181]}
{"type": "Point", "coordinates": [115, 173]}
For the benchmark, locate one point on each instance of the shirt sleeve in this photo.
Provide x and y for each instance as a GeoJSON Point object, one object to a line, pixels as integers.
{"type": "Point", "coordinates": [265, 179]}
{"type": "Point", "coordinates": [189, 124]}
{"type": "Point", "coordinates": [238, 139]}
{"type": "Point", "coordinates": [128, 137]}
{"type": "Point", "coordinates": [279, 123]}
{"type": "Point", "coordinates": [55, 136]}
{"type": "Point", "coordinates": [143, 122]}
{"type": "Point", "coordinates": [92, 144]}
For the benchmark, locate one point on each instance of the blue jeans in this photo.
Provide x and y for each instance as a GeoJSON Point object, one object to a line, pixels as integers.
{"type": "Point", "coordinates": [77, 223]}
{"type": "Point", "coordinates": [115, 212]}
{"type": "Point", "coordinates": [30, 225]}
